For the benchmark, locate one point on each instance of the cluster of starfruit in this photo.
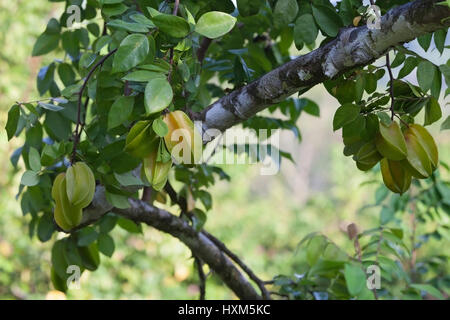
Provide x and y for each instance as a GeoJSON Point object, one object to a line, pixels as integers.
{"type": "Point", "coordinates": [403, 154]}
{"type": "Point", "coordinates": [178, 142]}
{"type": "Point", "coordinates": [72, 191]}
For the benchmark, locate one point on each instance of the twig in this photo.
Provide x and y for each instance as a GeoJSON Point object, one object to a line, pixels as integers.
{"type": "Point", "coordinates": [201, 276]}
{"type": "Point", "coordinates": [80, 98]}
{"type": "Point", "coordinates": [201, 52]}
{"type": "Point", "coordinates": [265, 294]}
{"type": "Point", "coordinates": [182, 204]}
{"type": "Point", "coordinates": [391, 85]}
{"type": "Point", "coordinates": [147, 194]}
{"type": "Point", "coordinates": [180, 201]}
{"type": "Point", "coordinates": [175, 12]}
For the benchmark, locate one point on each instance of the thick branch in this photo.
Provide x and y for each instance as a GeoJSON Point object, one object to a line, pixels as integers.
{"type": "Point", "coordinates": [354, 47]}
{"type": "Point", "coordinates": [164, 221]}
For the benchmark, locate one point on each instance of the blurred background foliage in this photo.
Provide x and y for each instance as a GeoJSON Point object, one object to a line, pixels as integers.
{"type": "Point", "coordinates": [261, 218]}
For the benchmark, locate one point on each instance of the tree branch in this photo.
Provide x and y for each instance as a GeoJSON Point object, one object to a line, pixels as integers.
{"type": "Point", "coordinates": [353, 47]}
{"type": "Point", "coordinates": [198, 242]}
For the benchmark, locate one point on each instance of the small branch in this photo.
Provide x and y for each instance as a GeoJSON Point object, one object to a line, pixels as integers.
{"type": "Point", "coordinates": [80, 98]}
{"type": "Point", "coordinates": [391, 85]}
{"type": "Point", "coordinates": [201, 52]}
{"type": "Point", "coordinates": [147, 194]}
{"type": "Point", "coordinates": [265, 294]}
{"type": "Point", "coordinates": [201, 276]}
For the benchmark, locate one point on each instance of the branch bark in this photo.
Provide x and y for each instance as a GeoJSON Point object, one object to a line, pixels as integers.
{"type": "Point", "coordinates": [353, 47]}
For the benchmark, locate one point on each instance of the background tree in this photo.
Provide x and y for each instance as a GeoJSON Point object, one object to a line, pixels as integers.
{"type": "Point", "coordinates": [148, 58]}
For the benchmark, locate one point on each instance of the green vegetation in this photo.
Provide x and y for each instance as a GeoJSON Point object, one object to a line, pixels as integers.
{"type": "Point", "coordinates": [292, 227]}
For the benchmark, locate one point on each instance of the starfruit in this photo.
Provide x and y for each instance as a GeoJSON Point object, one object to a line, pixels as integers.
{"type": "Point", "coordinates": [156, 170]}
{"type": "Point", "coordinates": [141, 139]}
{"type": "Point", "coordinates": [183, 140]}
{"type": "Point", "coordinates": [67, 216]}
{"type": "Point", "coordinates": [390, 142]}
{"type": "Point", "coordinates": [80, 185]}
{"type": "Point", "coordinates": [417, 162]}
{"type": "Point", "coordinates": [395, 176]}
{"type": "Point", "coordinates": [426, 141]}
{"type": "Point", "coordinates": [367, 156]}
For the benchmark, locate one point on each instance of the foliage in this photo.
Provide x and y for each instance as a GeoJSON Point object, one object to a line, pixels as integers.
{"type": "Point", "coordinates": [143, 62]}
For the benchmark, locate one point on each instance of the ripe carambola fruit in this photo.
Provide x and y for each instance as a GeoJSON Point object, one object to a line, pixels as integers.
{"type": "Point", "coordinates": [183, 140]}
{"type": "Point", "coordinates": [417, 161]}
{"type": "Point", "coordinates": [367, 157]}
{"type": "Point", "coordinates": [426, 141]}
{"type": "Point", "coordinates": [395, 176]}
{"type": "Point", "coordinates": [156, 172]}
{"type": "Point", "coordinates": [80, 185]}
{"type": "Point", "coordinates": [67, 216]}
{"type": "Point", "coordinates": [141, 139]}
{"type": "Point", "coordinates": [390, 142]}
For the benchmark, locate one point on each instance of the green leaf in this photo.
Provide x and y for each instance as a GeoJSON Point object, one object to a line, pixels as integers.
{"type": "Point", "coordinates": [29, 178]}
{"type": "Point", "coordinates": [46, 226]}
{"type": "Point", "coordinates": [172, 25]}
{"type": "Point", "coordinates": [66, 74]}
{"type": "Point", "coordinates": [45, 44]}
{"type": "Point", "coordinates": [305, 29]}
{"type": "Point", "coordinates": [120, 111]}
{"type": "Point", "coordinates": [408, 66]}
{"type": "Point", "coordinates": [386, 214]}
{"type": "Point", "coordinates": [439, 39]}
{"type": "Point", "coordinates": [128, 26]}
{"type": "Point", "coordinates": [13, 121]}
{"type": "Point", "coordinates": [106, 244]}
{"type": "Point", "coordinates": [215, 24]}
{"type": "Point", "coordinates": [160, 127]}
{"type": "Point", "coordinates": [50, 106]}
{"type": "Point", "coordinates": [429, 289]}
{"type": "Point", "coordinates": [59, 262]}
{"type": "Point", "coordinates": [425, 41]}
{"type": "Point", "coordinates": [425, 74]}
{"type": "Point", "coordinates": [249, 7]}
{"type": "Point", "coordinates": [108, 223]}
{"type": "Point", "coordinates": [355, 279]}
{"type": "Point", "coordinates": [143, 76]}
{"type": "Point", "coordinates": [345, 114]}
{"type": "Point", "coordinates": [34, 159]}
{"type": "Point", "coordinates": [158, 95]}
{"type": "Point", "coordinates": [285, 12]}
{"type": "Point", "coordinates": [433, 111]}
{"type": "Point", "coordinates": [327, 19]}
{"type": "Point", "coordinates": [128, 179]}
{"type": "Point", "coordinates": [45, 78]}
{"type": "Point", "coordinates": [129, 225]}
{"type": "Point", "coordinates": [315, 248]}
{"type": "Point", "coordinates": [446, 124]}
{"type": "Point", "coordinates": [311, 107]}
{"type": "Point", "coordinates": [117, 200]}
{"type": "Point", "coordinates": [86, 236]}
{"type": "Point", "coordinates": [132, 51]}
